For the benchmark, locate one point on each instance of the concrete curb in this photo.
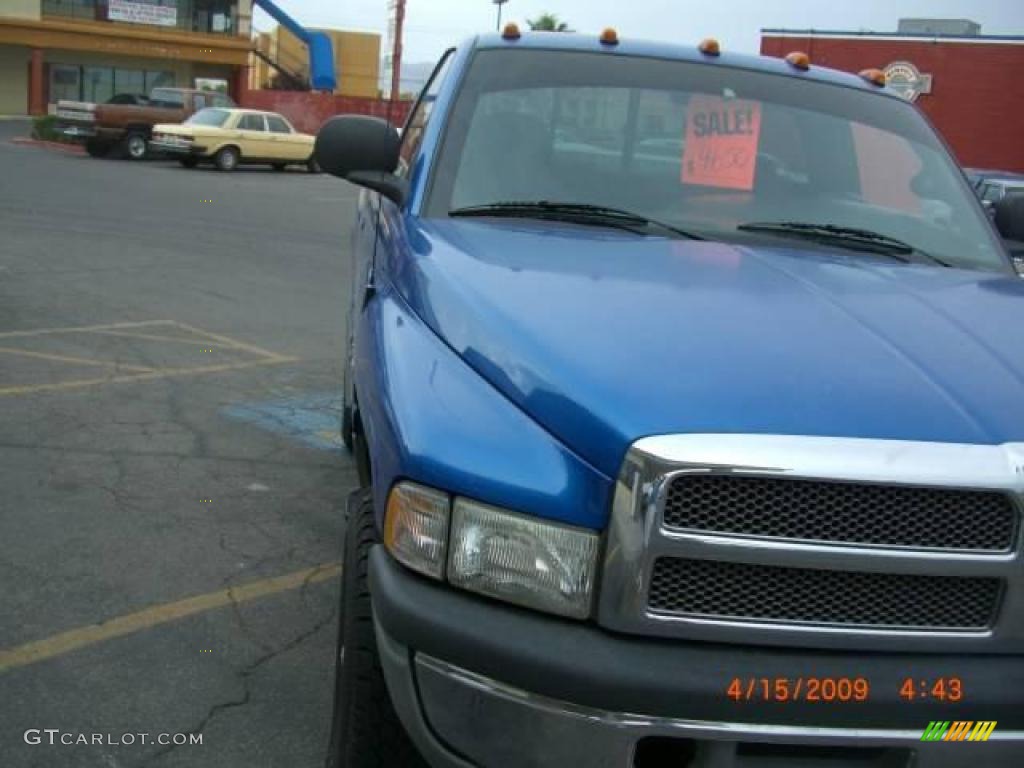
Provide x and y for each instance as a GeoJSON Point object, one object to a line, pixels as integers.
{"type": "Point", "coordinates": [73, 149]}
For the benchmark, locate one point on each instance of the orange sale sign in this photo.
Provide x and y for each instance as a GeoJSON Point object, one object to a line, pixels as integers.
{"type": "Point", "coordinates": [721, 142]}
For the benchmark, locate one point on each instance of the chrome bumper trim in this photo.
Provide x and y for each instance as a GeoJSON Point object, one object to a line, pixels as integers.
{"type": "Point", "coordinates": [800, 734]}
{"type": "Point", "coordinates": [493, 724]}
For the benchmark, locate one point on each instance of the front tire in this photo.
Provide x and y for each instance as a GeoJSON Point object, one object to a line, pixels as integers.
{"type": "Point", "coordinates": [226, 159]}
{"type": "Point", "coordinates": [97, 148]}
{"type": "Point", "coordinates": [365, 731]}
{"type": "Point", "coordinates": [134, 146]}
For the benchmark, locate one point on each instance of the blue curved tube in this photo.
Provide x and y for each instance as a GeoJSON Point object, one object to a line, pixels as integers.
{"type": "Point", "coordinates": [321, 51]}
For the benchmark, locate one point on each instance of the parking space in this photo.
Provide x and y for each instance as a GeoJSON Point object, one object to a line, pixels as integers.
{"type": "Point", "coordinates": [173, 484]}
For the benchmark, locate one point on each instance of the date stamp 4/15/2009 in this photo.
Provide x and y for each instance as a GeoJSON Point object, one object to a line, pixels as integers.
{"type": "Point", "coordinates": [839, 689]}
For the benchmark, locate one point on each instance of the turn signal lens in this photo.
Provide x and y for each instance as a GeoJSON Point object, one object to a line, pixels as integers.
{"type": "Point", "coordinates": [709, 47]}
{"type": "Point", "coordinates": [416, 528]}
{"type": "Point", "coordinates": [523, 560]}
{"type": "Point", "coordinates": [799, 60]}
{"type": "Point", "coordinates": [609, 36]}
{"type": "Point", "coordinates": [511, 31]}
{"type": "Point", "coordinates": [874, 76]}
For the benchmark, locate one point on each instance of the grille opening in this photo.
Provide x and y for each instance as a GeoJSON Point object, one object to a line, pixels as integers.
{"type": "Point", "coordinates": [788, 755]}
{"type": "Point", "coordinates": [664, 752]}
{"type": "Point", "coordinates": [853, 513]}
{"type": "Point", "coordinates": [669, 752]}
{"type": "Point", "coordinates": [745, 592]}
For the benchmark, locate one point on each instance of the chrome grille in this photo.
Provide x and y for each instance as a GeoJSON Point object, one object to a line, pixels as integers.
{"type": "Point", "coordinates": [802, 541]}
{"type": "Point", "coordinates": [854, 513]}
{"type": "Point", "coordinates": [844, 598]}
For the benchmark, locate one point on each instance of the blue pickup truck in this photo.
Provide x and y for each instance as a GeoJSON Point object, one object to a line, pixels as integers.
{"type": "Point", "coordinates": [687, 393]}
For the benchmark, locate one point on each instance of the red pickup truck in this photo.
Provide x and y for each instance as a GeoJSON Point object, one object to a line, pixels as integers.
{"type": "Point", "coordinates": [104, 127]}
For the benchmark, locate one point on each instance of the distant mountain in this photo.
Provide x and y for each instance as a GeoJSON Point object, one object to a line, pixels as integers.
{"type": "Point", "coordinates": [414, 76]}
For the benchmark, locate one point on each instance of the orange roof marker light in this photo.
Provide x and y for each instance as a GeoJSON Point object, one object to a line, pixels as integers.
{"type": "Point", "coordinates": [799, 60]}
{"type": "Point", "coordinates": [874, 76]}
{"type": "Point", "coordinates": [709, 47]}
{"type": "Point", "coordinates": [511, 31]}
{"type": "Point", "coordinates": [609, 36]}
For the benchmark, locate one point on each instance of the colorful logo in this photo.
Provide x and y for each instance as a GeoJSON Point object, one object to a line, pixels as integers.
{"type": "Point", "coordinates": [907, 80]}
{"type": "Point", "coordinates": [958, 730]}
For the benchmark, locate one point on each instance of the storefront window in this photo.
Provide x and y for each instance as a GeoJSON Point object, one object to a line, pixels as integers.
{"type": "Point", "coordinates": [129, 81]}
{"type": "Point", "coordinates": [210, 16]}
{"type": "Point", "coordinates": [159, 80]}
{"type": "Point", "coordinates": [65, 82]}
{"type": "Point", "coordinates": [75, 9]}
{"type": "Point", "coordinates": [97, 83]}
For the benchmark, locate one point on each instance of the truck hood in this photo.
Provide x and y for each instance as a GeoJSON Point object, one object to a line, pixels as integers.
{"type": "Point", "coordinates": [604, 337]}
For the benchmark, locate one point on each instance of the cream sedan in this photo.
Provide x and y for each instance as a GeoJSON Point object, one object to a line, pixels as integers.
{"type": "Point", "coordinates": [229, 137]}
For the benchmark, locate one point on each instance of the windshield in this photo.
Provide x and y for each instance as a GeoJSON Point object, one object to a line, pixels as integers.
{"type": "Point", "coordinates": [213, 117]}
{"type": "Point", "coordinates": [706, 149]}
{"type": "Point", "coordinates": [166, 97]}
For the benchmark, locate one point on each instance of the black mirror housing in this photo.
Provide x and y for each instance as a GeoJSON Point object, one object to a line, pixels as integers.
{"type": "Point", "coordinates": [363, 150]}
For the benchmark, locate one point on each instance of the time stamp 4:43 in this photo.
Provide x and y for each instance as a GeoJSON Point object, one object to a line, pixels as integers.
{"type": "Point", "coordinates": [839, 689]}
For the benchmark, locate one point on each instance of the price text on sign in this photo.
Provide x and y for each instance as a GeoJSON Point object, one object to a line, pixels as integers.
{"type": "Point", "coordinates": [721, 142]}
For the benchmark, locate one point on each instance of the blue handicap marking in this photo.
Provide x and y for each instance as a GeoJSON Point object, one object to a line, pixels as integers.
{"type": "Point", "coordinates": [313, 419]}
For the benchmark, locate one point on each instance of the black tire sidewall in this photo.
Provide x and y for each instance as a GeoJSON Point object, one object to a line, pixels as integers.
{"type": "Point", "coordinates": [96, 148]}
{"type": "Point", "coordinates": [365, 731]}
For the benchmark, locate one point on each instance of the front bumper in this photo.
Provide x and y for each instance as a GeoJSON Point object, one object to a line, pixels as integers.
{"type": "Point", "coordinates": [479, 683]}
{"type": "Point", "coordinates": [77, 131]}
{"type": "Point", "coordinates": [178, 149]}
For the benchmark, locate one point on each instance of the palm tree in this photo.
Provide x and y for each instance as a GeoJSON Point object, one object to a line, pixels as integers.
{"type": "Point", "coordinates": [548, 22]}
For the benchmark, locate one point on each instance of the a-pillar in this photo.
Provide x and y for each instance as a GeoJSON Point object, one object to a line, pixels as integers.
{"type": "Point", "coordinates": [36, 98]}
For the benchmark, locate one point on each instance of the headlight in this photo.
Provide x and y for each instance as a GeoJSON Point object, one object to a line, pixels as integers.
{"type": "Point", "coordinates": [519, 559]}
{"type": "Point", "coordinates": [522, 560]}
{"type": "Point", "coordinates": [416, 527]}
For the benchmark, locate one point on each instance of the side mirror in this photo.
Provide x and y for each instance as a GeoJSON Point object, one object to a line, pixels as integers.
{"type": "Point", "coordinates": [1009, 217]}
{"type": "Point", "coordinates": [363, 150]}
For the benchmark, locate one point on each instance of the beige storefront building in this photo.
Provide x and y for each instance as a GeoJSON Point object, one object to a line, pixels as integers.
{"type": "Point", "coordinates": [90, 50]}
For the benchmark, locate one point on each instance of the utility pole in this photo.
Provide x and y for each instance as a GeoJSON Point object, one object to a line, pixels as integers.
{"type": "Point", "coordinates": [499, 3]}
{"type": "Point", "coordinates": [396, 51]}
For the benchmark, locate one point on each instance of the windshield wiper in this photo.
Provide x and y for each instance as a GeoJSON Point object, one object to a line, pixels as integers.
{"type": "Point", "coordinates": [848, 237]}
{"type": "Point", "coordinates": [579, 213]}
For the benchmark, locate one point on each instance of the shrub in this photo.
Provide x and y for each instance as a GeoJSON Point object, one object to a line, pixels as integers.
{"type": "Point", "coordinates": [45, 129]}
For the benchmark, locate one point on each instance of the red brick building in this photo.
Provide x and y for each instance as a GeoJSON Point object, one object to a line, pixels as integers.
{"type": "Point", "coordinates": [971, 86]}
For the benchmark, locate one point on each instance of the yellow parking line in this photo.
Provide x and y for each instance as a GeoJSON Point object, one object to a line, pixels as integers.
{"type": "Point", "coordinates": [75, 360]}
{"type": "Point", "coordinates": [47, 648]}
{"type": "Point", "coordinates": [159, 373]}
{"type": "Point", "coordinates": [227, 340]}
{"type": "Point", "coordinates": [153, 337]}
{"type": "Point", "coordinates": [83, 328]}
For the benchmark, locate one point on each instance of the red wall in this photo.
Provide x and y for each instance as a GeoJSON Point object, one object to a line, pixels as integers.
{"type": "Point", "coordinates": [307, 110]}
{"type": "Point", "coordinates": [977, 98]}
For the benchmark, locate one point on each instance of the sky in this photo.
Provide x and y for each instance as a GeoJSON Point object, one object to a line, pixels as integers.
{"type": "Point", "coordinates": [434, 25]}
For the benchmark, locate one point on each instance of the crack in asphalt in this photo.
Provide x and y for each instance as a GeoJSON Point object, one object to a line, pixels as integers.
{"type": "Point", "coordinates": [244, 675]}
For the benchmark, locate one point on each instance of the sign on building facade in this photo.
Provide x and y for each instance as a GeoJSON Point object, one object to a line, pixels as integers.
{"type": "Point", "coordinates": [142, 13]}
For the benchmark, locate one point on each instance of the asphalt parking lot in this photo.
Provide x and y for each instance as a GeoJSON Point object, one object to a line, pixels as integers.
{"type": "Point", "coordinates": [173, 484]}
